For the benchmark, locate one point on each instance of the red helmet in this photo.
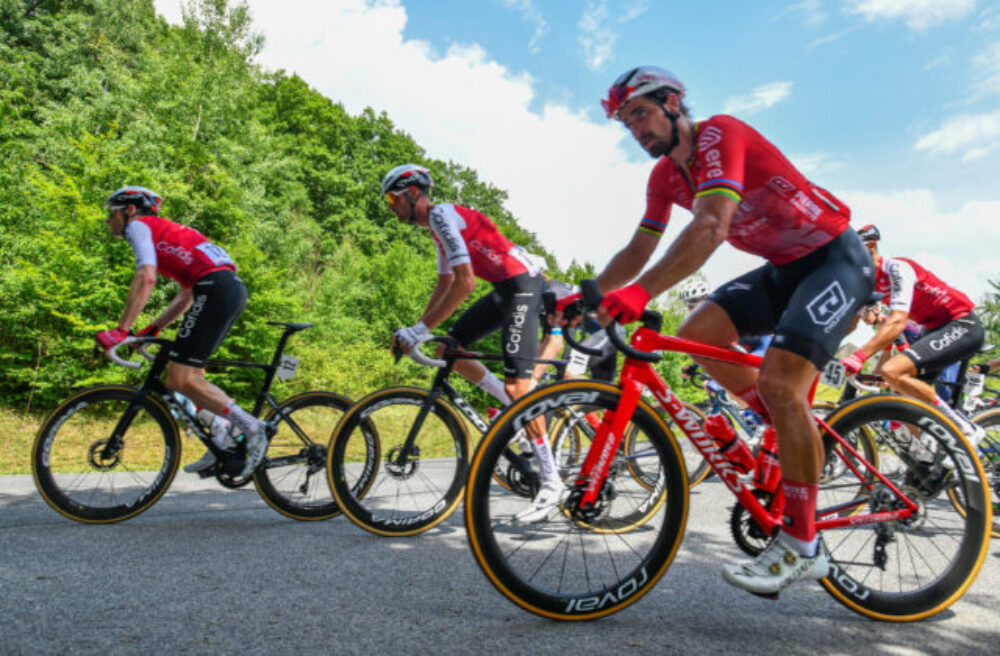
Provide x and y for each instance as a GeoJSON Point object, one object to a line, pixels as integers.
{"type": "Point", "coordinates": [638, 82]}
{"type": "Point", "coordinates": [869, 233]}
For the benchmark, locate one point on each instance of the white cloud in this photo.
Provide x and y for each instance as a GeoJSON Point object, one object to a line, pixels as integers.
{"type": "Point", "coordinates": [811, 10]}
{"type": "Point", "coordinates": [945, 240]}
{"type": "Point", "coordinates": [917, 14]}
{"type": "Point", "coordinates": [532, 15]}
{"type": "Point", "coordinates": [569, 179]}
{"type": "Point", "coordinates": [974, 135]}
{"type": "Point", "coordinates": [599, 30]}
{"type": "Point", "coordinates": [762, 97]}
{"type": "Point", "coordinates": [987, 66]}
{"type": "Point", "coordinates": [814, 164]}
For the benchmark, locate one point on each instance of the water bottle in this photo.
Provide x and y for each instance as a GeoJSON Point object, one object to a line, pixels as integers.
{"type": "Point", "coordinates": [768, 468]}
{"type": "Point", "coordinates": [730, 445]}
{"type": "Point", "coordinates": [186, 403]}
{"type": "Point", "coordinates": [218, 427]}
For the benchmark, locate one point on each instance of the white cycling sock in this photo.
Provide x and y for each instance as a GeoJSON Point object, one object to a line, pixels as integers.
{"type": "Point", "coordinates": [245, 422]}
{"type": "Point", "coordinates": [964, 424]}
{"type": "Point", "coordinates": [492, 386]}
{"type": "Point", "coordinates": [543, 452]}
{"type": "Point", "coordinates": [807, 549]}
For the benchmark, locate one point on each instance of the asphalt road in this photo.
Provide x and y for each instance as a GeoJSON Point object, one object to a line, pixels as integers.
{"type": "Point", "coordinates": [209, 570]}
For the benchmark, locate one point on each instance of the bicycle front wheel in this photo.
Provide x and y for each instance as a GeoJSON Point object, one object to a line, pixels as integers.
{"type": "Point", "coordinates": [911, 568]}
{"type": "Point", "coordinates": [402, 491]}
{"type": "Point", "coordinates": [106, 454]}
{"type": "Point", "coordinates": [576, 564]}
{"type": "Point", "coordinates": [292, 478]}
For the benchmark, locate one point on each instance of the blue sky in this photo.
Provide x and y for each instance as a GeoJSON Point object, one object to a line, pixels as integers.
{"type": "Point", "coordinates": [894, 105]}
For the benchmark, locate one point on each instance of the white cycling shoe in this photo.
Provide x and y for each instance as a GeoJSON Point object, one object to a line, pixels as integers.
{"type": "Point", "coordinates": [777, 567]}
{"type": "Point", "coordinates": [549, 496]}
{"type": "Point", "coordinates": [256, 448]}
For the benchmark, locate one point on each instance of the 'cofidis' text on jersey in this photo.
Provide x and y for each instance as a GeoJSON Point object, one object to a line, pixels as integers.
{"type": "Point", "coordinates": [465, 236]}
{"type": "Point", "coordinates": [177, 251]}
{"type": "Point", "coordinates": [913, 289]}
{"type": "Point", "coordinates": [780, 215]}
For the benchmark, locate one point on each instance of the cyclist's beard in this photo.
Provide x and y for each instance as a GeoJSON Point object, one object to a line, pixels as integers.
{"type": "Point", "coordinates": [657, 147]}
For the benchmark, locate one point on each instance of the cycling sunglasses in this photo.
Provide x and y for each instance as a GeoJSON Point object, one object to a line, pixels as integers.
{"type": "Point", "coordinates": [393, 197]}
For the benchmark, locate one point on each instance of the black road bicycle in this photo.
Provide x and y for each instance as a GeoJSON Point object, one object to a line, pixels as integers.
{"type": "Point", "coordinates": [110, 452]}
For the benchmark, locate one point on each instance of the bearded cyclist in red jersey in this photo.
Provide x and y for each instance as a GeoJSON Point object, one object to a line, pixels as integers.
{"type": "Point", "coordinates": [211, 293]}
{"type": "Point", "coordinates": [952, 331]}
{"type": "Point", "coordinates": [740, 188]}
{"type": "Point", "coordinates": [469, 246]}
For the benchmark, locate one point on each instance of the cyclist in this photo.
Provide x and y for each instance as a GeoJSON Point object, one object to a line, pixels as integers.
{"type": "Point", "coordinates": [740, 188]}
{"type": "Point", "coordinates": [469, 246]}
{"type": "Point", "coordinates": [986, 367]}
{"type": "Point", "coordinates": [210, 293]}
{"type": "Point", "coordinates": [601, 367]}
{"type": "Point", "coordinates": [952, 331]}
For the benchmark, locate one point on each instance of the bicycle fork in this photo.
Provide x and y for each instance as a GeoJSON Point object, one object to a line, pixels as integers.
{"type": "Point", "coordinates": [607, 439]}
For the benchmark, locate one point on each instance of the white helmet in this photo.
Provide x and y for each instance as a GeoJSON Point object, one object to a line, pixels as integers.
{"type": "Point", "coordinates": [694, 291]}
{"type": "Point", "coordinates": [405, 175]}
{"type": "Point", "coordinates": [638, 82]}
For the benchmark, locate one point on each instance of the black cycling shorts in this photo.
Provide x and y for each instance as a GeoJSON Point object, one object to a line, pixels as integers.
{"type": "Point", "coordinates": [809, 303]}
{"type": "Point", "coordinates": [219, 299]}
{"type": "Point", "coordinates": [513, 306]}
{"type": "Point", "coordinates": [953, 342]}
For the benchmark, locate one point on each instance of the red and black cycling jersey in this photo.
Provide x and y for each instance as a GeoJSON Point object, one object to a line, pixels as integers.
{"type": "Point", "coordinates": [177, 251]}
{"type": "Point", "coordinates": [780, 215]}
{"type": "Point", "coordinates": [913, 289]}
{"type": "Point", "coordinates": [465, 236]}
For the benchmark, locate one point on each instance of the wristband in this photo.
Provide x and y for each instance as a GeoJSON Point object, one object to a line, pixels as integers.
{"type": "Point", "coordinates": [556, 331]}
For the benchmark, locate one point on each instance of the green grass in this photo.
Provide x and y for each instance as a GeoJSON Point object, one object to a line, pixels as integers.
{"type": "Point", "coordinates": [18, 430]}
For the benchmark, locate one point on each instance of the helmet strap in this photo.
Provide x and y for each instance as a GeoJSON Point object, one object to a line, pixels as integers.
{"type": "Point", "coordinates": [674, 136]}
{"type": "Point", "coordinates": [413, 206]}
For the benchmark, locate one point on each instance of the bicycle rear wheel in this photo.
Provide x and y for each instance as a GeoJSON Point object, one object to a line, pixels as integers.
{"type": "Point", "coordinates": [638, 491]}
{"type": "Point", "coordinates": [696, 465]}
{"type": "Point", "coordinates": [106, 454]}
{"type": "Point", "coordinates": [397, 494]}
{"type": "Point", "coordinates": [292, 478]}
{"type": "Point", "coordinates": [988, 450]}
{"type": "Point", "coordinates": [913, 568]}
{"type": "Point", "coordinates": [577, 564]}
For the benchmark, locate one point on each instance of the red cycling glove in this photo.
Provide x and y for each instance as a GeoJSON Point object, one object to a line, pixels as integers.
{"type": "Point", "coordinates": [567, 300]}
{"type": "Point", "coordinates": [109, 338]}
{"type": "Point", "coordinates": [626, 304]}
{"type": "Point", "coordinates": [152, 330]}
{"type": "Point", "coordinates": [854, 362]}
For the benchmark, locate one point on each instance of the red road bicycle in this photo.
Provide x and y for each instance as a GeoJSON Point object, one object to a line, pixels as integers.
{"type": "Point", "coordinates": [901, 550]}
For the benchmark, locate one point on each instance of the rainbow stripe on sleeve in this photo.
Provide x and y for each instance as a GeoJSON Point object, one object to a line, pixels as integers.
{"type": "Point", "coordinates": [651, 227]}
{"type": "Point", "coordinates": [729, 188]}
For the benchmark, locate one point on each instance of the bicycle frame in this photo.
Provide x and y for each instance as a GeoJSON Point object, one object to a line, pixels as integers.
{"type": "Point", "coordinates": [154, 386]}
{"type": "Point", "coordinates": [442, 386]}
{"type": "Point", "coordinates": [637, 374]}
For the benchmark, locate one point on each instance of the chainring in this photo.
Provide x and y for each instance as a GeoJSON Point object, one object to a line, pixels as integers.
{"type": "Point", "coordinates": [749, 537]}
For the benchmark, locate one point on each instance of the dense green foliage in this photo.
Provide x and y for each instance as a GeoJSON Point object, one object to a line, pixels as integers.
{"type": "Point", "coordinates": [989, 314]}
{"type": "Point", "coordinates": [97, 94]}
